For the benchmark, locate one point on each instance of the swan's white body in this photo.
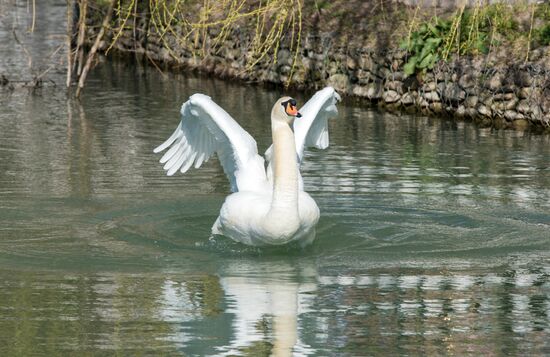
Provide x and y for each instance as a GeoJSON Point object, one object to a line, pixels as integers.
{"type": "Point", "coordinates": [268, 207]}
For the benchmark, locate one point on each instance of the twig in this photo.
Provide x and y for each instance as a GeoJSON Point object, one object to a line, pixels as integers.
{"type": "Point", "coordinates": [93, 51]}
{"type": "Point", "coordinates": [155, 65]}
{"type": "Point", "coordinates": [29, 57]}
{"type": "Point", "coordinates": [69, 42]}
{"type": "Point", "coordinates": [81, 35]}
{"type": "Point", "coordinates": [33, 15]}
{"type": "Point", "coordinates": [530, 33]}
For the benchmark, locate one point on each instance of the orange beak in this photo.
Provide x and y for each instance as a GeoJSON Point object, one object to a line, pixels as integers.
{"type": "Point", "coordinates": [293, 111]}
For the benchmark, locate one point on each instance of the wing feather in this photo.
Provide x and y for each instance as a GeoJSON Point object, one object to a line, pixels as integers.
{"type": "Point", "coordinates": [205, 128]}
{"type": "Point", "coordinates": [176, 135]}
{"type": "Point", "coordinates": [311, 130]}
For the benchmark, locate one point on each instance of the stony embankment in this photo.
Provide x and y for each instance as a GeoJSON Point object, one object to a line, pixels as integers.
{"type": "Point", "coordinates": [494, 90]}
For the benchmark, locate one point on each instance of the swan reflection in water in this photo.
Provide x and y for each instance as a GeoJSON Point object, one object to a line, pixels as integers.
{"type": "Point", "coordinates": [263, 301]}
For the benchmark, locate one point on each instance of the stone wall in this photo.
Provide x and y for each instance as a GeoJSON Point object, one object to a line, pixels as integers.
{"type": "Point", "coordinates": [493, 90]}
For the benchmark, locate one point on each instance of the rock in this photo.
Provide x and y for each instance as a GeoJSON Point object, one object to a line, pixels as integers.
{"type": "Point", "coordinates": [502, 106]}
{"type": "Point", "coordinates": [522, 78]}
{"type": "Point", "coordinates": [400, 54]}
{"type": "Point", "coordinates": [365, 76]}
{"type": "Point", "coordinates": [397, 76]}
{"type": "Point", "coordinates": [393, 107]}
{"type": "Point", "coordinates": [503, 96]}
{"type": "Point", "coordinates": [429, 87]}
{"type": "Point", "coordinates": [523, 107]}
{"type": "Point", "coordinates": [308, 43]}
{"type": "Point", "coordinates": [496, 82]}
{"type": "Point", "coordinates": [411, 83]}
{"type": "Point", "coordinates": [231, 53]}
{"type": "Point", "coordinates": [165, 55]}
{"type": "Point", "coordinates": [340, 82]}
{"type": "Point", "coordinates": [318, 57]}
{"type": "Point", "coordinates": [236, 65]}
{"type": "Point", "coordinates": [391, 96]}
{"type": "Point", "coordinates": [460, 111]}
{"type": "Point", "coordinates": [536, 113]}
{"type": "Point", "coordinates": [351, 63]}
{"type": "Point", "coordinates": [333, 68]}
{"type": "Point", "coordinates": [367, 63]}
{"type": "Point", "coordinates": [272, 77]}
{"type": "Point", "coordinates": [374, 91]}
{"type": "Point", "coordinates": [307, 63]}
{"type": "Point", "coordinates": [360, 91]}
{"type": "Point", "coordinates": [423, 103]}
{"type": "Point", "coordinates": [436, 107]}
{"type": "Point", "coordinates": [471, 112]}
{"type": "Point", "coordinates": [452, 92]}
{"type": "Point", "coordinates": [499, 123]}
{"type": "Point", "coordinates": [511, 115]}
{"type": "Point", "coordinates": [483, 110]}
{"type": "Point", "coordinates": [472, 91]}
{"type": "Point", "coordinates": [520, 124]}
{"type": "Point", "coordinates": [408, 99]}
{"type": "Point", "coordinates": [511, 104]}
{"type": "Point", "coordinates": [488, 101]}
{"type": "Point", "coordinates": [467, 81]}
{"type": "Point", "coordinates": [431, 96]}
{"type": "Point", "coordinates": [394, 85]}
{"type": "Point", "coordinates": [472, 101]}
{"type": "Point", "coordinates": [284, 70]}
{"type": "Point", "coordinates": [443, 76]}
{"type": "Point", "coordinates": [529, 92]}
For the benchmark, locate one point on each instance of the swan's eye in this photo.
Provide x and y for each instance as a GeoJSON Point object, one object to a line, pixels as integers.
{"type": "Point", "coordinates": [290, 108]}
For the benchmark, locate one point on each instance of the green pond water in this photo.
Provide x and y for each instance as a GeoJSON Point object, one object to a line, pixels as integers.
{"type": "Point", "coordinates": [434, 236]}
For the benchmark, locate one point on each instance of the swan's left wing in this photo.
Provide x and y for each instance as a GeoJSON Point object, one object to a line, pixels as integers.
{"type": "Point", "coordinates": [205, 129]}
{"type": "Point", "coordinates": [311, 130]}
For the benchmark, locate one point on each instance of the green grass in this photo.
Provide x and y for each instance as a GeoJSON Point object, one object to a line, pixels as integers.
{"type": "Point", "coordinates": [476, 31]}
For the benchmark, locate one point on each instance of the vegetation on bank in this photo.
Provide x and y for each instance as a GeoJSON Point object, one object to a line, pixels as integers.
{"type": "Point", "coordinates": [191, 24]}
{"type": "Point", "coordinates": [429, 35]}
{"type": "Point", "coordinates": [476, 31]}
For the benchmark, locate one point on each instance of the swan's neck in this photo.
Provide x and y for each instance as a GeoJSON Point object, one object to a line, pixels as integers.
{"type": "Point", "coordinates": [285, 173]}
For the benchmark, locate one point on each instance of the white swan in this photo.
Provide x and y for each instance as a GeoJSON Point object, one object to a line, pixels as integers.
{"type": "Point", "coordinates": [268, 207]}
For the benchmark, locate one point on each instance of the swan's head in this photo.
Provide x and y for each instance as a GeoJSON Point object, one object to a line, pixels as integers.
{"type": "Point", "coordinates": [285, 109]}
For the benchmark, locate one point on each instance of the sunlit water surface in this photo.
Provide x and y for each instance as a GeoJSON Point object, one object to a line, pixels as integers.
{"type": "Point", "coordinates": [434, 236]}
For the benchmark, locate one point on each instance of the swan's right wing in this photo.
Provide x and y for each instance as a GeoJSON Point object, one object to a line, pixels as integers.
{"type": "Point", "coordinates": [205, 129]}
{"type": "Point", "coordinates": [311, 130]}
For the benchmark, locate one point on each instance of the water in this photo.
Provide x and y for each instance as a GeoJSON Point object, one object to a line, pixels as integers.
{"type": "Point", "coordinates": [434, 237]}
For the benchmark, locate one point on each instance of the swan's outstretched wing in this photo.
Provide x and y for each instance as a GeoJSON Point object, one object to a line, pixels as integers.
{"type": "Point", "coordinates": [205, 129]}
{"type": "Point", "coordinates": [311, 130]}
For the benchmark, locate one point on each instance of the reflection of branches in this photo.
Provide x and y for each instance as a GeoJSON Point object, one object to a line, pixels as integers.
{"type": "Point", "coordinates": [29, 57]}
{"type": "Point", "coordinates": [36, 78]}
{"type": "Point", "coordinates": [36, 69]}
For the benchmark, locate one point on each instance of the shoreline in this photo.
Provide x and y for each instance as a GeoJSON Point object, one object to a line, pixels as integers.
{"type": "Point", "coordinates": [497, 89]}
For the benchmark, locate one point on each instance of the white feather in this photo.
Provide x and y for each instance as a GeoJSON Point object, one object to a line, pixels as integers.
{"type": "Point", "coordinates": [311, 130]}
{"type": "Point", "coordinates": [205, 128]}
